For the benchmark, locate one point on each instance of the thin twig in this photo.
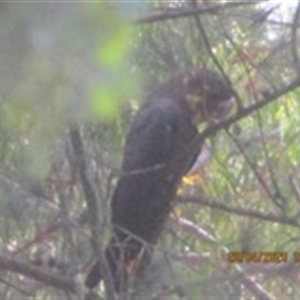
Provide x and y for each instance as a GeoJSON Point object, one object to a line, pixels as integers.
{"type": "Point", "coordinates": [254, 169]}
{"type": "Point", "coordinates": [212, 55]}
{"type": "Point", "coordinates": [294, 40]}
{"type": "Point", "coordinates": [277, 195]}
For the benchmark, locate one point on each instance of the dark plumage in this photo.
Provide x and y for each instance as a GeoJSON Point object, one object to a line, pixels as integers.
{"type": "Point", "coordinates": [160, 148]}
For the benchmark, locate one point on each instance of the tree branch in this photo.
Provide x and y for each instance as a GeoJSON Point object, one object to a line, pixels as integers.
{"type": "Point", "coordinates": [206, 201]}
{"type": "Point", "coordinates": [93, 210]}
{"type": "Point", "coordinates": [28, 270]}
{"type": "Point", "coordinates": [253, 286]}
{"type": "Point", "coordinates": [246, 111]}
{"type": "Point", "coordinates": [183, 13]}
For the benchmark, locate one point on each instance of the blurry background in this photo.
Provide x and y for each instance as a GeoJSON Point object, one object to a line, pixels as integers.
{"type": "Point", "coordinates": [89, 65]}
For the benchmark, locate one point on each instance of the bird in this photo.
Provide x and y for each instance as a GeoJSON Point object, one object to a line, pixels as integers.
{"type": "Point", "coordinates": [161, 147]}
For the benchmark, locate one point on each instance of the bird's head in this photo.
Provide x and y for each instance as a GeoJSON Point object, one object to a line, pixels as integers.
{"type": "Point", "coordinates": [208, 95]}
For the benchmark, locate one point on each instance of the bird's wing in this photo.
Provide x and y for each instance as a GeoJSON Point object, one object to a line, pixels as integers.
{"type": "Point", "coordinates": [152, 136]}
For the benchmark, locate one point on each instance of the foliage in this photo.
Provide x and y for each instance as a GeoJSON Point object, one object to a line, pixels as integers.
{"type": "Point", "coordinates": [87, 65]}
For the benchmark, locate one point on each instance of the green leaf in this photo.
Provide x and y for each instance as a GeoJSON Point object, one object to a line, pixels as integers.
{"type": "Point", "coordinates": [115, 48]}
{"type": "Point", "coordinates": [104, 102]}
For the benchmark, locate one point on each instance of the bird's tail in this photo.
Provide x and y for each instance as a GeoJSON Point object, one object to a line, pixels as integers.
{"type": "Point", "coordinates": [122, 261]}
{"type": "Point", "coordinates": [95, 274]}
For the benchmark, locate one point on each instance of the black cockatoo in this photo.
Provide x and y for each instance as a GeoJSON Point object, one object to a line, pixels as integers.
{"type": "Point", "coordinates": [161, 147]}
